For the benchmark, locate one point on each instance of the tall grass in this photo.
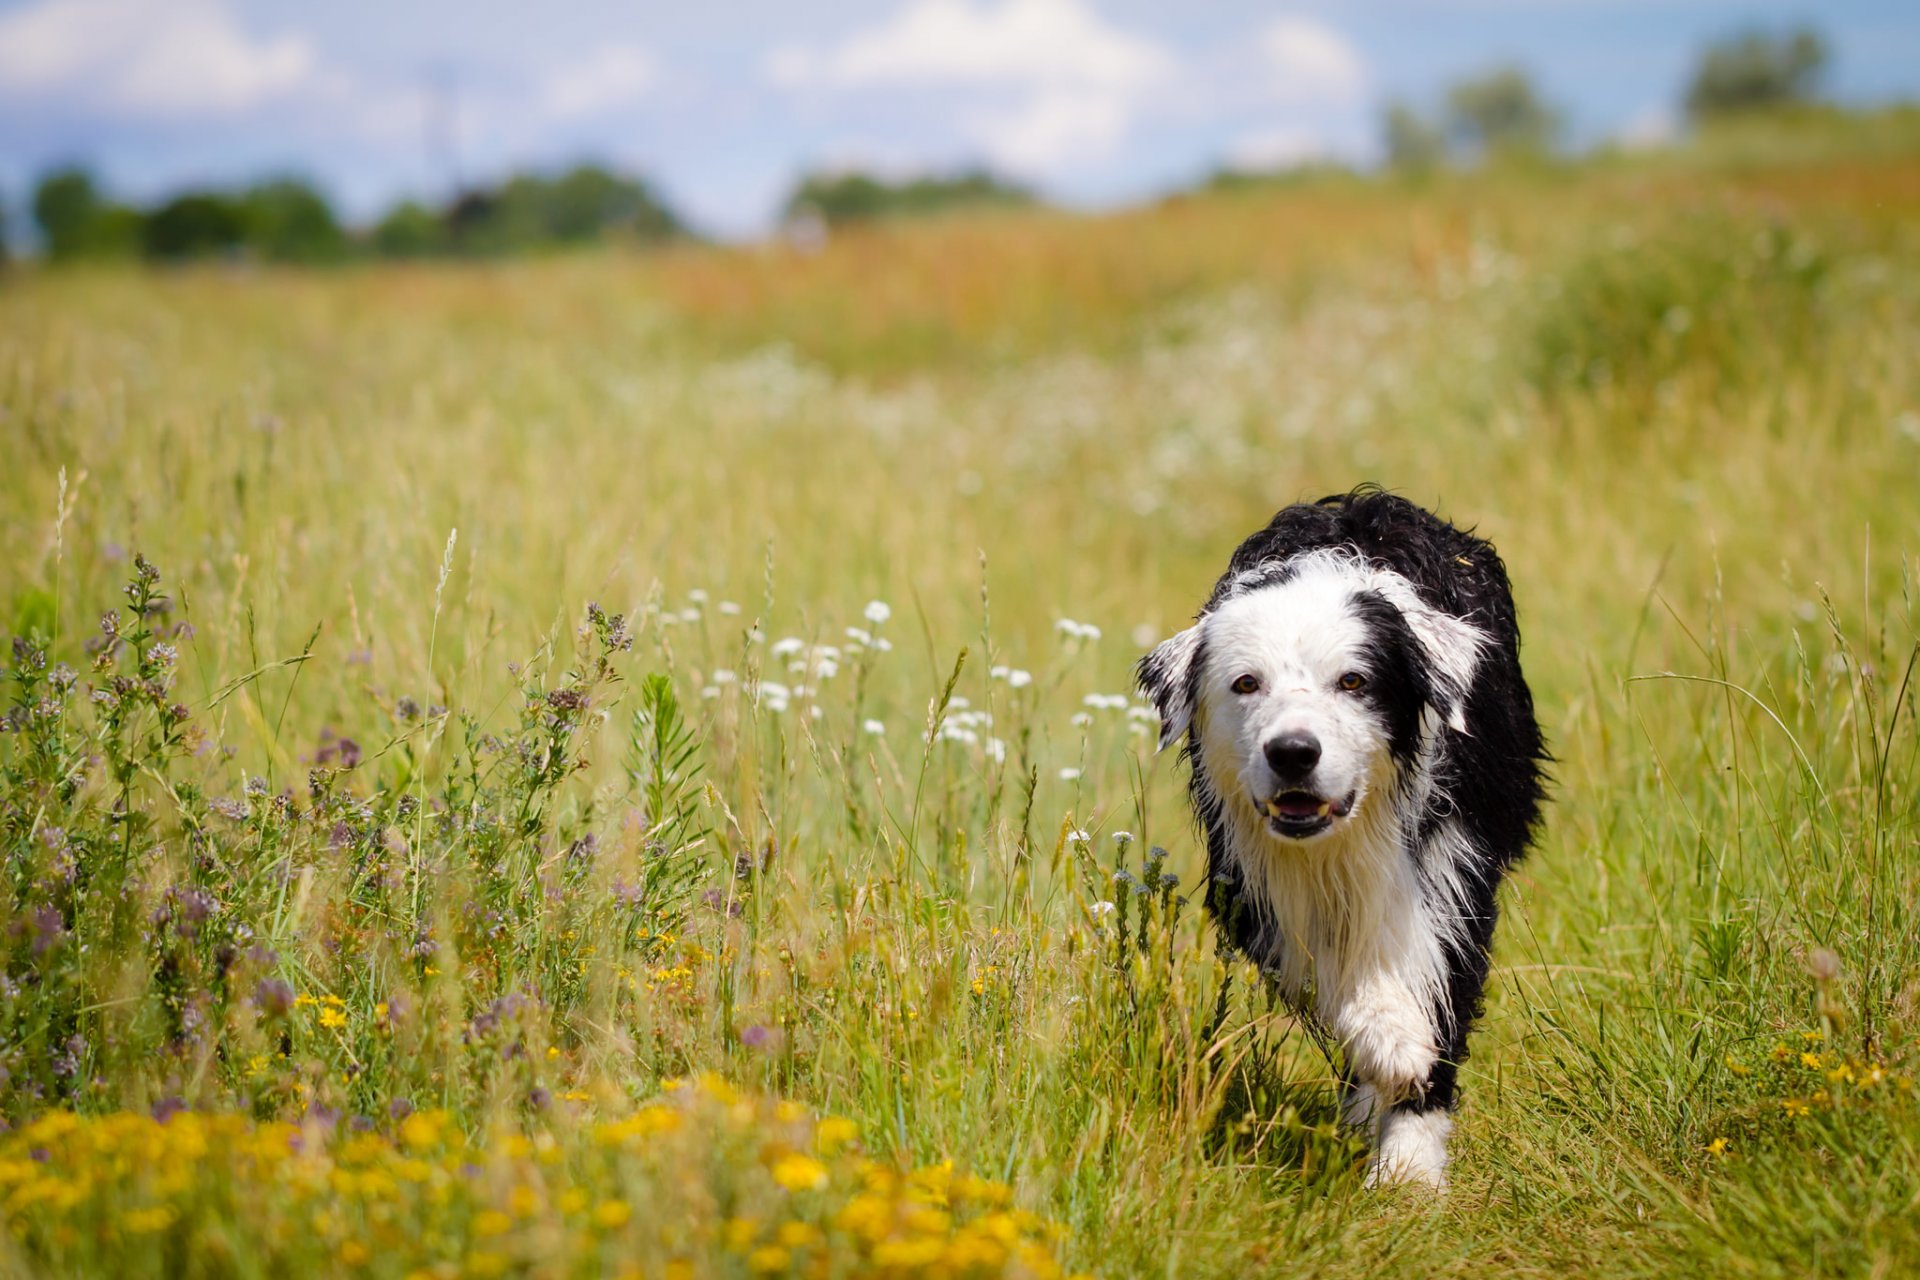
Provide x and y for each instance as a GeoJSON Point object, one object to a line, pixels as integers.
{"type": "Point", "coordinates": [765, 726]}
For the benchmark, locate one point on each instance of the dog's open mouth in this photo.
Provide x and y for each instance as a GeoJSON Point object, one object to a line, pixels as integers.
{"type": "Point", "coordinates": [1298, 814]}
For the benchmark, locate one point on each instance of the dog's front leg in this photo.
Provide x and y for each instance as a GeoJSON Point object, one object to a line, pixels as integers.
{"type": "Point", "coordinates": [1392, 1046]}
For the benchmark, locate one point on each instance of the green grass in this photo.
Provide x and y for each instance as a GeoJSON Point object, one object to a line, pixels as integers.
{"type": "Point", "coordinates": [567, 858]}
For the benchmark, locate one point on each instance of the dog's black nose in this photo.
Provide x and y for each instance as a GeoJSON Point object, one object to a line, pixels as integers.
{"type": "Point", "coordinates": [1293, 755]}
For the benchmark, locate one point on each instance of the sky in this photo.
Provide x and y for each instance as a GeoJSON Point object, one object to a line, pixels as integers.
{"type": "Point", "coordinates": [723, 105]}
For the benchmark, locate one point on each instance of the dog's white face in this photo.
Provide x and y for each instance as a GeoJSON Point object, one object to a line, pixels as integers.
{"type": "Point", "coordinates": [1282, 717]}
{"type": "Point", "coordinates": [1309, 687]}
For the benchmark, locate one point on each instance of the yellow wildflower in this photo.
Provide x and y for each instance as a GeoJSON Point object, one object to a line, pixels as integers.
{"type": "Point", "coordinates": [142, 1222]}
{"type": "Point", "coordinates": [799, 1235]}
{"type": "Point", "coordinates": [610, 1215]}
{"type": "Point", "coordinates": [796, 1172]}
{"type": "Point", "coordinates": [1719, 1147]}
{"type": "Point", "coordinates": [332, 1018]}
{"type": "Point", "coordinates": [835, 1132]}
{"type": "Point", "coordinates": [768, 1259]}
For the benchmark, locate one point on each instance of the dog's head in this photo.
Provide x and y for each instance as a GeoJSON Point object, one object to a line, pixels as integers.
{"type": "Point", "coordinates": [1308, 685]}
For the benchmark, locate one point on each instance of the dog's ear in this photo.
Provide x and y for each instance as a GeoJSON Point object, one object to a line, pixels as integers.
{"type": "Point", "coordinates": [1452, 647]}
{"type": "Point", "coordinates": [1166, 676]}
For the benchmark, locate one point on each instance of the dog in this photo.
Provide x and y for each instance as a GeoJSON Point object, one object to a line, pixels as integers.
{"type": "Point", "coordinates": [1366, 767]}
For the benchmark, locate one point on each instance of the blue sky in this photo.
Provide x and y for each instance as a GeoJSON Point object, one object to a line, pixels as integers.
{"type": "Point", "coordinates": [1095, 101]}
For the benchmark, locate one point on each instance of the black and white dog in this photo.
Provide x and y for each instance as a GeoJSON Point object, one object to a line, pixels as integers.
{"type": "Point", "coordinates": [1366, 766]}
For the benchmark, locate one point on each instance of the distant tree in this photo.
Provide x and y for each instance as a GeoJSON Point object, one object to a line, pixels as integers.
{"type": "Point", "coordinates": [287, 220]}
{"type": "Point", "coordinates": [1754, 70]}
{"type": "Point", "coordinates": [409, 230]}
{"type": "Point", "coordinates": [196, 224]}
{"type": "Point", "coordinates": [853, 196]}
{"type": "Point", "coordinates": [1501, 112]}
{"type": "Point", "coordinates": [1413, 142]}
{"type": "Point", "coordinates": [587, 202]}
{"type": "Point", "coordinates": [474, 223]}
{"type": "Point", "coordinates": [532, 211]}
{"type": "Point", "coordinates": [76, 221]}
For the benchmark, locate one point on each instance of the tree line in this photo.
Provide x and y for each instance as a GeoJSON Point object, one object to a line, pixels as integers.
{"type": "Point", "coordinates": [289, 220]}
{"type": "Point", "coordinates": [1504, 114]}
{"type": "Point", "coordinates": [1497, 114]}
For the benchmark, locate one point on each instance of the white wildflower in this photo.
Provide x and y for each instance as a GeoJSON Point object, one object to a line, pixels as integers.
{"type": "Point", "coordinates": [1081, 719]}
{"type": "Point", "coordinates": [698, 595]}
{"type": "Point", "coordinates": [878, 611]}
{"type": "Point", "coordinates": [724, 676]}
{"type": "Point", "coordinates": [787, 646]}
{"type": "Point", "coordinates": [1069, 775]}
{"type": "Point", "coordinates": [875, 727]}
{"type": "Point", "coordinates": [1019, 679]}
{"type": "Point", "coordinates": [729, 607]}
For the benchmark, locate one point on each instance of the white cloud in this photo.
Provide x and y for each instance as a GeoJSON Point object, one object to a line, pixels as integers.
{"type": "Point", "coordinates": [613, 77]}
{"type": "Point", "coordinates": [1054, 131]}
{"type": "Point", "coordinates": [1311, 62]}
{"type": "Point", "coordinates": [1055, 85]}
{"type": "Point", "coordinates": [182, 58]}
{"type": "Point", "coordinates": [1034, 44]}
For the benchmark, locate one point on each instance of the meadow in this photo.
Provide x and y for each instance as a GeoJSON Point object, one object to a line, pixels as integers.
{"type": "Point", "coordinates": [628, 764]}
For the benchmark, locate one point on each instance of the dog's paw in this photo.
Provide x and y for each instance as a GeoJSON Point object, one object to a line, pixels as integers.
{"type": "Point", "coordinates": [1412, 1150]}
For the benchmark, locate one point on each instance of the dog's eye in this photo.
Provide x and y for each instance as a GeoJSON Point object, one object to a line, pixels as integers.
{"type": "Point", "coordinates": [1247, 684]}
{"type": "Point", "coordinates": [1352, 681]}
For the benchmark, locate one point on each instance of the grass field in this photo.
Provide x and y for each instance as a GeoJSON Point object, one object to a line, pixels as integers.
{"type": "Point", "coordinates": [615, 764]}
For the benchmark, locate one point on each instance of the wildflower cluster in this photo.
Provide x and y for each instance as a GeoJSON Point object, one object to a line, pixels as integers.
{"type": "Point", "coordinates": [1804, 1078]}
{"type": "Point", "coordinates": [699, 1173]}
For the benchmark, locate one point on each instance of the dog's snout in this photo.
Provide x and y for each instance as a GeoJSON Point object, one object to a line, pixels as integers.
{"type": "Point", "coordinates": [1293, 755]}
